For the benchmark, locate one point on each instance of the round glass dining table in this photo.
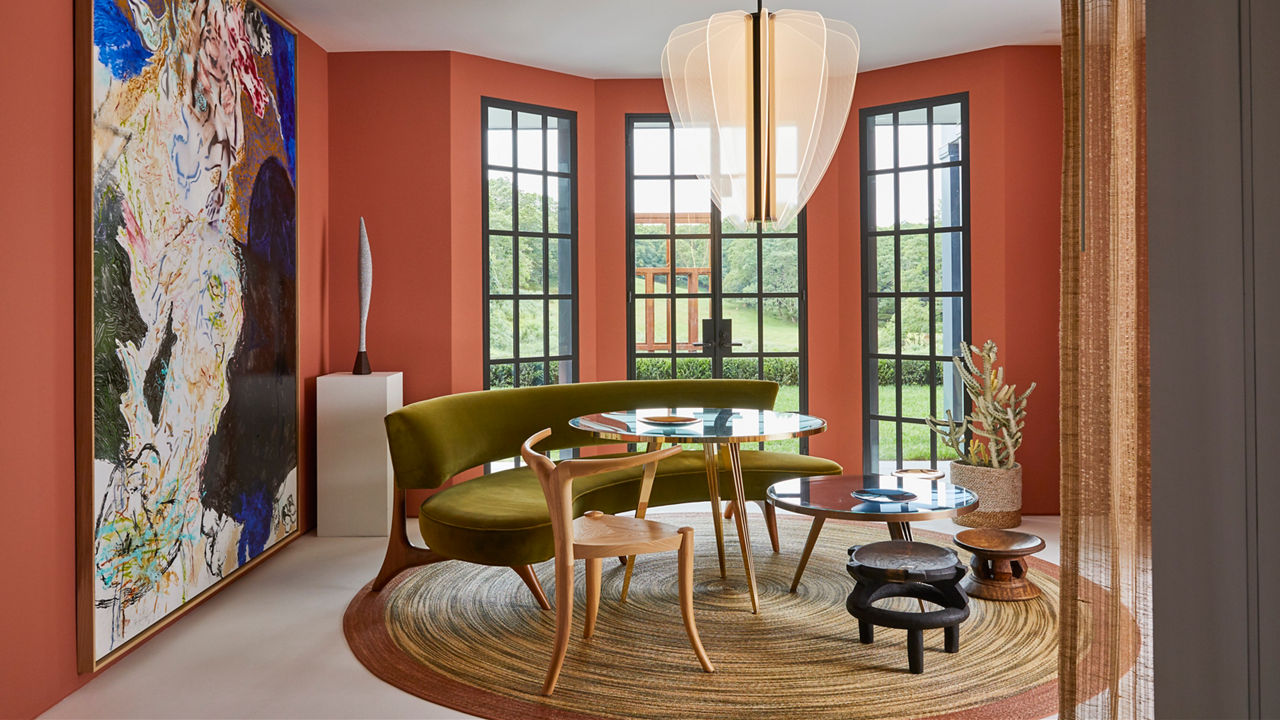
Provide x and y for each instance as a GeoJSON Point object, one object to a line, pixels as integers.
{"type": "Point", "coordinates": [720, 431]}
{"type": "Point", "coordinates": [833, 496]}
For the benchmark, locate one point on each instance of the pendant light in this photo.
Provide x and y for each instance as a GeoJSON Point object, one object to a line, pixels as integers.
{"type": "Point", "coordinates": [773, 91]}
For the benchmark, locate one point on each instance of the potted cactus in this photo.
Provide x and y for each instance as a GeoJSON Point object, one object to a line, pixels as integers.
{"type": "Point", "coordinates": [986, 440]}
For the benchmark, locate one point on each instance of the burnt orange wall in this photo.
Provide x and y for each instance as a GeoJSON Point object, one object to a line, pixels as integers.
{"type": "Point", "coordinates": [472, 78]}
{"type": "Point", "coordinates": [429, 322]}
{"type": "Point", "coordinates": [37, 473]}
{"type": "Point", "coordinates": [389, 162]}
{"type": "Point", "coordinates": [614, 99]}
{"type": "Point", "coordinates": [1033, 146]}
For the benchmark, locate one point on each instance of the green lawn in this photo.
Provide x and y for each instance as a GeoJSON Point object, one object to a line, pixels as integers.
{"type": "Point", "coordinates": [780, 335]}
{"type": "Point", "coordinates": [915, 438]}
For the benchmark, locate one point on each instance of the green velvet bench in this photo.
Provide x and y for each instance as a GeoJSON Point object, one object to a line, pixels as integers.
{"type": "Point", "coordinates": [501, 518]}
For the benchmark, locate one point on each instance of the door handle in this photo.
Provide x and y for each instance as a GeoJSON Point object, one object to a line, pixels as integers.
{"type": "Point", "coordinates": [722, 334]}
{"type": "Point", "coordinates": [720, 344]}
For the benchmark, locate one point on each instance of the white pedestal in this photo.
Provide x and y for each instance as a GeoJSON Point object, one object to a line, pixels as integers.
{"type": "Point", "coordinates": [353, 464]}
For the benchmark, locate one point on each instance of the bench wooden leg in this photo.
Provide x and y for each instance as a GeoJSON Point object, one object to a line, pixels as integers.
{"type": "Point", "coordinates": [531, 581]}
{"type": "Point", "coordinates": [401, 554]}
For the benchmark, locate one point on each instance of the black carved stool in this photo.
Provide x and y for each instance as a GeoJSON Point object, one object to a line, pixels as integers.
{"type": "Point", "coordinates": [901, 568]}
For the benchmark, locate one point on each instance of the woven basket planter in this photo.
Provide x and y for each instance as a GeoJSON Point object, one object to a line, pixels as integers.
{"type": "Point", "coordinates": [999, 492]}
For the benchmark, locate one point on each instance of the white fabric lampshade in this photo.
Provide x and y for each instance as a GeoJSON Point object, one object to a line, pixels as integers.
{"type": "Point", "coordinates": [808, 67]}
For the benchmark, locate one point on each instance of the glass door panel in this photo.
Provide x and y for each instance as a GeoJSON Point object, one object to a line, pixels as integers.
{"type": "Point", "coordinates": [708, 298]}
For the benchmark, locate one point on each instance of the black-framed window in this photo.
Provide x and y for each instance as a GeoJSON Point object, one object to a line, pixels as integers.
{"type": "Point", "coordinates": [530, 241]}
{"type": "Point", "coordinates": [915, 242]}
{"type": "Point", "coordinates": [708, 297]}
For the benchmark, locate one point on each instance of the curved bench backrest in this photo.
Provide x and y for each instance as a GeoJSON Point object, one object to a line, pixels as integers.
{"type": "Point", "coordinates": [433, 440]}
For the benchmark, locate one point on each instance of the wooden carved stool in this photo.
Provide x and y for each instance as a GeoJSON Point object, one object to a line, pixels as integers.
{"type": "Point", "coordinates": [999, 563]}
{"type": "Point", "coordinates": [901, 568]}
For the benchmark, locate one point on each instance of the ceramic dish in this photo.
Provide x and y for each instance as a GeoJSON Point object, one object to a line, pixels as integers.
{"type": "Point", "coordinates": [669, 420]}
{"type": "Point", "coordinates": [884, 495]}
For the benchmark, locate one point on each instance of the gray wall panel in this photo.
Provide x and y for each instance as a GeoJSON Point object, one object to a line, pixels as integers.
{"type": "Point", "coordinates": [1264, 73]}
{"type": "Point", "coordinates": [1197, 358]}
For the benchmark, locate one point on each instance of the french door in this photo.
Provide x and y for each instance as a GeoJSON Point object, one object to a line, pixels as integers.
{"type": "Point", "coordinates": [708, 298]}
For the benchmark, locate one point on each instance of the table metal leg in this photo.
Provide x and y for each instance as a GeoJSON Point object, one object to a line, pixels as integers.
{"type": "Point", "coordinates": [713, 490]}
{"type": "Point", "coordinates": [740, 518]}
{"type": "Point", "coordinates": [814, 529]}
{"type": "Point", "coordinates": [642, 506]}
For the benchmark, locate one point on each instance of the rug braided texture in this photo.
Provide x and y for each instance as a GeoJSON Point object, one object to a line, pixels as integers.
{"type": "Point", "coordinates": [473, 638]}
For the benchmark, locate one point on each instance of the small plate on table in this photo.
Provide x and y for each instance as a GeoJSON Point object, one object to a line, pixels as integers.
{"type": "Point", "coordinates": [919, 473]}
{"type": "Point", "coordinates": [884, 495]}
{"type": "Point", "coordinates": [670, 420]}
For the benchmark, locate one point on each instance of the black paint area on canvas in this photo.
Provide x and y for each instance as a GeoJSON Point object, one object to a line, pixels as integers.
{"type": "Point", "coordinates": [255, 445]}
{"type": "Point", "coordinates": [116, 321]}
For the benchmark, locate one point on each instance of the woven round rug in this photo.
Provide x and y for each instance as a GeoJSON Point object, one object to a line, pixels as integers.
{"type": "Point", "coordinates": [473, 638]}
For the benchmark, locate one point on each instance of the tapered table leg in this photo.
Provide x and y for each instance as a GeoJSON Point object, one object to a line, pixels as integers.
{"type": "Point", "coordinates": [814, 529]}
{"type": "Point", "coordinates": [740, 519]}
{"type": "Point", "coordinates": [770, 522]}
{"type": "Point", "coordinates": [713, 490]}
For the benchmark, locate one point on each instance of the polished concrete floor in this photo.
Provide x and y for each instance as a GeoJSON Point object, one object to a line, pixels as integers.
{"type": "Point", "coordinates": [270, 645]}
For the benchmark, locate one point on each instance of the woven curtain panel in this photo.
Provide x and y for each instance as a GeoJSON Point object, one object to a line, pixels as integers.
{"type": "Point", "coordinates": [1106, 477]}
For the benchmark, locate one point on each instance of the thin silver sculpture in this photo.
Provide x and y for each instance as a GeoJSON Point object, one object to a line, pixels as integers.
{"type": "Point", "coordinates": [366, 287]}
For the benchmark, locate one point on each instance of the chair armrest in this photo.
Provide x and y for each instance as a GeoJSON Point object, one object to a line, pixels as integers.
{"type": "Point", "coordinates": [579, 467]}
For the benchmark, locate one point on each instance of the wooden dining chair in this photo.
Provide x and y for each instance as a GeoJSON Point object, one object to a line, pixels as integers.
{"type": "Point", "coordinates": [596, 536]}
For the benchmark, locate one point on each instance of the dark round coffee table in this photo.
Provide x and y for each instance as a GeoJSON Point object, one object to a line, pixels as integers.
{"type": "Point", "coordinates": [831, 496]}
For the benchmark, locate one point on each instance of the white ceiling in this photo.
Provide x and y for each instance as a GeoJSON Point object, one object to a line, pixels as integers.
{"type": "Point", "coordinates": [613, 39]}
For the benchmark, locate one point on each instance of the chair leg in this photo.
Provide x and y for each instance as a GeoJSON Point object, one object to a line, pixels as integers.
{"type": "Point", "coordinates": [401, 554]}
{"type": "Point", "coordinates": [594, 566]}
{"type": "Point", "coordinates": [564, 623]}
{"type": "Point", "coordinates": [531, 581]}
{"type": "Point", "coordinates": [686, 597]}
{"type": "Point", "coordinates": [729, 508]}
{"type": "Point", "coordinates": [771, 522]}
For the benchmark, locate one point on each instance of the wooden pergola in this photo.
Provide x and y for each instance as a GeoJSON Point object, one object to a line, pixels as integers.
{"type": "Point", "coordinates": [693, 276]}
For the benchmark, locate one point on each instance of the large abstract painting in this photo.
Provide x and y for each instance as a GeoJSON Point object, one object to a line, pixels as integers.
{"type": "Point", "coordinates": [187, 357]}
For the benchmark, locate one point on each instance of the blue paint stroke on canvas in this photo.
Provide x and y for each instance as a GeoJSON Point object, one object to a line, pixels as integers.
{"type": "Point", "coordinates": [282, 57]}
{"type": "Point", "coordinates": [119, 46]}
{"type": "Point", "coordinates": [256, 512]}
